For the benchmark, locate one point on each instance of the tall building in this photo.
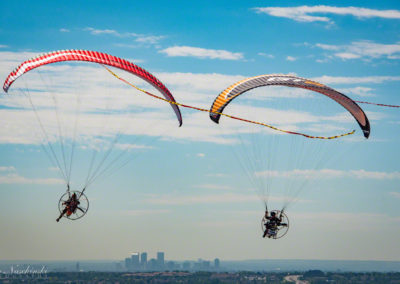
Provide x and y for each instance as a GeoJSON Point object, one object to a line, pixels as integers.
{"type": "Point", "coordinates": [160, 260]}
{"type": "Point", "coordinates": [135, 260]}
{"type": "Point", "coordinates": [128, 263]}
{"type": "Point", "coordinates": [216, 264]}
{"type": "Point", "coordinates": [143, 260]}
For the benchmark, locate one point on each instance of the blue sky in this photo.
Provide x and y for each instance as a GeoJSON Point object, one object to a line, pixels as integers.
{"type": "Point", "coordinates": [184, 192]}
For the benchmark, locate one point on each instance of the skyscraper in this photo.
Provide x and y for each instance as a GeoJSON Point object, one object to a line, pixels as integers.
{"type": "Point", "coordinates": [135, 260]}
{"type": "Point", "coordinates": [216, 264]}
{"type": "Point", "coordinates": [143, 260]}
{"type": "Point", "coordinates": [160, 260]}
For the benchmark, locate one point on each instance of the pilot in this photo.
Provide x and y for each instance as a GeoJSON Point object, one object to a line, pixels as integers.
{"type": "Point", "coordinates": [70, 206]}
{"type": "Point", "coordinates": [273, 222]}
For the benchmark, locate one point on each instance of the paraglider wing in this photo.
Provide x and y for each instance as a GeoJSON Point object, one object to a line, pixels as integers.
{"type": "Point", "coordinates": [96, 57]}
{"type": "Point", "coordinates": [226, 96]}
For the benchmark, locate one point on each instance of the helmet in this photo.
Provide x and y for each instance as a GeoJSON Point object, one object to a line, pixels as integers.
{"type": "Point", "coordinates": [273, 213]}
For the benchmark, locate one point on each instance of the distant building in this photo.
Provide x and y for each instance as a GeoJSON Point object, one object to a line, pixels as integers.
{"type": "Point", "coordinates": [186, 265]}
{"type": "Point", "coordinates": [118, 266]}
{"type": "Point", "coordinates": [152, 264]}
{"type": "Point", "coordinates": [135, 260]}
{"type": "Point", "coordinates": [77, 267]}
{"type": "Point", "coordinates": [197, 266]}
{"type": "Point", "coordinates": [205, 265]}
{"type": "Point", "coordinates": [216, 264]}
{"type": "Point", "coordinates": [128, 263]}
{"type": "Point", "coordinates": [170, 265]}
{"type": "Point", "coordinates": [143, 260]}
{"type": "Point", "coordinates": [160, 260]}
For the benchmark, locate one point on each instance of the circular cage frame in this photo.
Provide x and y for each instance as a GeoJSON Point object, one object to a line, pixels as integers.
{"type": "Point", "coordinates": [281, 229]}
{"type": "Point", "coordinates": [81, 209]}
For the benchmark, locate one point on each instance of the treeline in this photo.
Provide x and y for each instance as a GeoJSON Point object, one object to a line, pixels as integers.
{"type": "Point", "coordinates": [312, 277]}
{"type": "Point", "coordinates": [319, 277]}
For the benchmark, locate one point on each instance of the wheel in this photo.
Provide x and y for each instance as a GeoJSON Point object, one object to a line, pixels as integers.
{"type": "Point", "coordinates": [282, 229]}
{"type": "Point", "coordinates": [82, 208]}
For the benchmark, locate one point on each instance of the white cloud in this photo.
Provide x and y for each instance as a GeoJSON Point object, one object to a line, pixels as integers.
{"type": "Point", "coordinates": [363, 49]}
{"type": "Point", "coordinates": [359, 91]}
{"type": "Point", "coordinates": [200, 155]}
{"type": "Point", "coordinates": [330, 173]}
{"type": "Point", "coordinates": [375, 116]}
{"type": "Point", "coordinates": [64, 30]}
{"type": "Point", "coordinates": [189, 51]}
{"type": "Point", "coordinates": [53, 169]}
{"type": "Point", "coordinates": [149, 39]}
{"type": "Point", "coordinates": [321, 60]}
{"type": "Point", "coordinates": [25, 129]}
{"type": "Point", "coordinates": [213, 186]}
{"type": "Point", "coordinates": [347, 55]}
{"type": "Point", "coordinates": [7, 169]}
{"type": "Point", "coordinates": [140, 38]}
{"type": "Point", "coordinates": [208, 84]}
{"type": "Point", "coordinates": [291, 58]}
{"type": "Point", "coordinates": [17, 179]}
{"type": "Point", "coordinates": [127, 146]}
{"type": "Point", "coordinates": [266, 55]}
{"type": "Point", "coordinates": [94, 31]}
{"type": "Point", "coordinates": [3, 46]}
{"type": "Point", "coordinates": [10, 60]}
{"type": "Point", "coordinates": [361, 174]}
{"type": "Point", "coordinates": [326, 46]}
{"type": "Point", "coordinates": [127, 45]}
{"type": "Point", "coordinates": [306, 13]}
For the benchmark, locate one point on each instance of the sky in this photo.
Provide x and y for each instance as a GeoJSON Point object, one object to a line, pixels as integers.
{"type": "Point", "coordinates": [191, 191]}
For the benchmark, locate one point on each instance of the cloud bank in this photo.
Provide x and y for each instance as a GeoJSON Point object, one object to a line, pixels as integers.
{"type": "Point", "coordinates": [363, 50]}
{"type": "Point", "coordinates": [313, 13]}
{"type": "Point", "coordinates": [331, 173]}
{"type": "Point", "coordinates": [202, 53]}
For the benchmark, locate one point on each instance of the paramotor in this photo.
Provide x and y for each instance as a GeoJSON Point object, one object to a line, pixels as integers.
{"type": "Point", "coordinates": [275, 231]}
{"type": "Point", "coordinates": [278, 165]}
{"type": "Point", "coordinates": [82, 111]}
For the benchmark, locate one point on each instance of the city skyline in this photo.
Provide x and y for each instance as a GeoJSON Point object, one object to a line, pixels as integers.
{"type": "Point", "coordinates": [271, 265]}
{"type": "Point", "coordinates": [138, 262]}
